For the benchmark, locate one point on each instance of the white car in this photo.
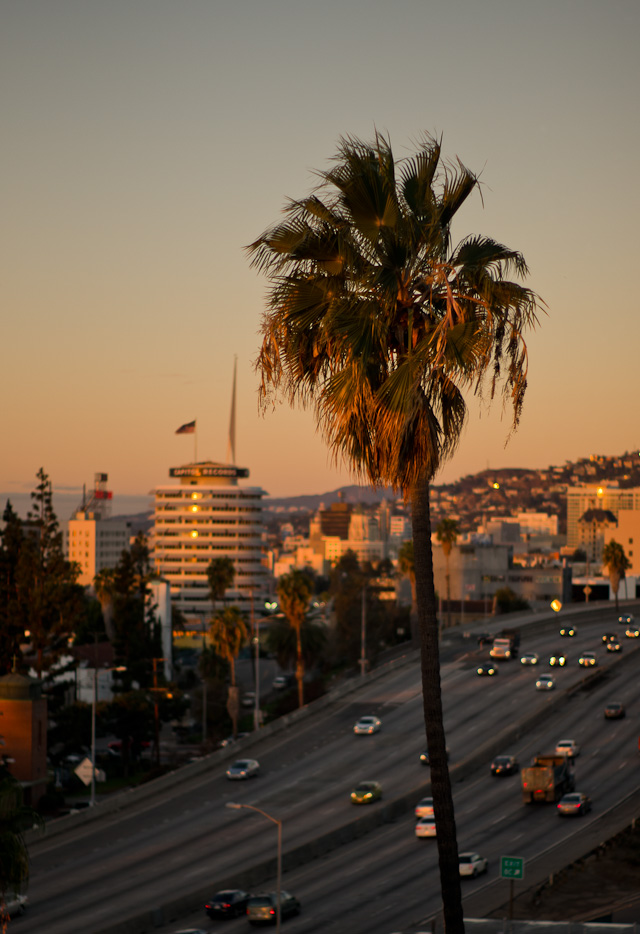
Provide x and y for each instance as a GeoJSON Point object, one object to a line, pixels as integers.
{"type": "Point", "coordinates": [545, 683]}
{"type": "Point", "coordinates": [531, 658]}
{"type": "Point", "coordinates": [426, 827]}
{"type": "Point", "coordinates": [367, 725]}
{"type": "Point", "coordinates": [243, 768]}
{"type": "Point", "coordinates": [472, 864]}
{"type": "Point", "coordinates": [567, 747]}
{"type": "Point", "coordinates": [424, 808]}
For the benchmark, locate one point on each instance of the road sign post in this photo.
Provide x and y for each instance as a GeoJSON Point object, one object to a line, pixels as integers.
{"type": "Point", "coordinates": [512, 868]}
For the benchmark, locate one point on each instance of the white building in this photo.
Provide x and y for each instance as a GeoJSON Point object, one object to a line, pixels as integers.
{"type": "Point", "coordinates": [92, 538]}
{"type": "Point", "coordinates": [207, 515]}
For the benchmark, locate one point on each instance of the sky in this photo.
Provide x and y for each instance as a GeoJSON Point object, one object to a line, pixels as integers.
{"type": "Point", "coordinates": [147, 142]}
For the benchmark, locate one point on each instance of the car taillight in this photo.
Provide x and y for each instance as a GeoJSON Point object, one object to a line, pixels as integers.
{"type": "Point", "coordinates": [272, 911]}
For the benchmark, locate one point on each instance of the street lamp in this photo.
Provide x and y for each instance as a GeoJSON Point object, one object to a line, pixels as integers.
{"type": "Point", "coordinates": [93, 724]}
{"type": "Point", "coordinates": [250, 807]}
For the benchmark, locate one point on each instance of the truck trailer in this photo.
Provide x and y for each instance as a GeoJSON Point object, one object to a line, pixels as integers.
{"type": "Point", "coordinates": [548, 778]}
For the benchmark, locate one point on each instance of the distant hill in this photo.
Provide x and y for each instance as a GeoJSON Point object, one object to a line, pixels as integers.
{"type": "Point", "coordinates": [310, 503]}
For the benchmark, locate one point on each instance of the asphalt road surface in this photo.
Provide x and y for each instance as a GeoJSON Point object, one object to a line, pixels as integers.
{"type": "Point", "coordinates": [185, 841]}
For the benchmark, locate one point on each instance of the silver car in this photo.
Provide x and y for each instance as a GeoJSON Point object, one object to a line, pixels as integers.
{"type": "Point", "coordinates": [243, 768]}
{"type": "Point", "coordinates": [366, 726]}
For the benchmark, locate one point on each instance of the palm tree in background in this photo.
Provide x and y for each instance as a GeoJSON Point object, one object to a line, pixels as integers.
{"type": "Point", "coordinates": [228, 633]}
{"type": "Point", "coordinates": [221, 574]}
{"type": "Point", "coordinates": [104, 584]}
{"type": "Point", "coordinates": [294, 595]}
{"type": "Point", "coordinates": [379, 324]}
{"type": "Point", "coordinates": [447, 534]}
{"type": "Point", "coordinates": [616, 564]}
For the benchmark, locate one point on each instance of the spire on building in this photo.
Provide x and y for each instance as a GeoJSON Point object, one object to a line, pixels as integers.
{"type": "Point", "coordinates": [231, 445]}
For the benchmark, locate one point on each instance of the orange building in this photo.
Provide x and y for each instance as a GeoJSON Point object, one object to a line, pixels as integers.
{"type": "Point", "coordinates": [23, 733]}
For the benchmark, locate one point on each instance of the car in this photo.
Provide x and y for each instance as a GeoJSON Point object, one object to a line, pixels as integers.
{"type": "Point", "coordinates": [424, 808]}
{"type": "Point", "coordinates": [632, 632]}
{"type": "Point", "coordinates": [567, 747]}
{"type": "Point", "coordinates": [426, 827]}
{"type": "Point", "coordinates": [230, 740]}
{"type": "Point", "coordinates": [367, 725]}
{"type": "Point", "coordinates": [530, 658]}
{"type": "Point", "coordinates": [504, 765]}
{"type": "Point", "coordinates": [229, 903]}
{"type": "Point", "coordinates": [280, 682]}
{"type": "Point", "coordinates": [558, 661]}
{"type": "Point", "coordinates": [248, 699]}
{"type": "Point", "coordinates": [472, 864]}
{"type": "Point", "coordinates": [609, 637]}
{"type": "Point", "coordinates": [487, 668]}
{"type": "Point", "coordinates": [243, 768]}
{"type": "Point", "coordinates": [588, 660]}
{"type": "Point", "coordinates": [424, 757]}
{"type": "Point", "coordinates": [614, 647]}
{"type": "Point", "coordinates": [568, 631]}
{"type": "Point", "coordinates": [485, 638]}
{"type": "Point", "coordinates": [626, 620]}
{"type": "Point", "coordinates": [15, 904]}
{"type": "Point", "coordinates": [545, 683]}
{"type": "Point", "coordinates": [262, 908]}
{"type": "Point", "coordinates": [614, 711]}
{"type": "Point", "coordinates": [574, 803]}
{"type": "Point", "coordinates": [366, 793]}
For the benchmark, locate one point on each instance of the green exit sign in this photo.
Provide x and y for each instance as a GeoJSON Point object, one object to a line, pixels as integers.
{"type": "Point", "coordinates": [512, 867]}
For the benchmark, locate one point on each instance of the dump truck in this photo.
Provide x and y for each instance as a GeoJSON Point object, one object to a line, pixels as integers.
{"type": "Point", "coordinates": [548, 778]}
{"type": "Point", "coordinates": [506, 644]}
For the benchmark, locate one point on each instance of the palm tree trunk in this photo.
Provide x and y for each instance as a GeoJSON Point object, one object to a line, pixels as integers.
{"type": "Point", "coordinates": [448, 596]}
{"type": "Point", "coordinates": [432, 703]}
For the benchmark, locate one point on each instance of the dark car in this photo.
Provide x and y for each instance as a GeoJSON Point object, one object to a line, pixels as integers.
{"type": "Point", "coordinates": [568, 631]}
{"type": "Point", "coordinates": [261, 909]}
{"type": "Point", "coordinates": [614, 647]}
{"type": "Point", "coordinates": [609, 637]}
{"type": "Point", "coordinates": [504, 765]}
{"type": "Point", "coordinates": [230, 903]}
{"type": "Point", "coordinates": [485, 638]}
{"type": "Point", "coordinates": [574, 803]}
{"type": "Point", "coordinates": [424, 757]}
{"type": "Point", "coordinates": [614, 711]}
{"type": "Point", "coordinates": [487, 668]}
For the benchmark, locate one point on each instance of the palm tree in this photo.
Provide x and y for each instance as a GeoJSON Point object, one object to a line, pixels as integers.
{"type": "Point", "coordinates": [15, 819]}
{"type": "Point", "coordinates": [221, 574]}
{"type": "Point", "coordinates": [616, 564]}
{"type": "Point", "coordinates": [104, 584]}
{"type": "Point", "coordinates": [378, 323]}
{"type": "Point", "coordinates": [447, 534]}
{"type": "Point", "coordinates": [227, 634]}
{"type": "Point", "coordinates": [407, 567]}
{"type": "Point", "coordinates": [294, 595]}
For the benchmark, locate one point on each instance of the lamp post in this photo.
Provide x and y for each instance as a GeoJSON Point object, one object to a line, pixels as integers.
{"type": "Point", "coordinates": [363, 632]}
{"type": "Point", "coordinates": [94, 702]}
{"type": "Point", "coordinates": [278, 823]}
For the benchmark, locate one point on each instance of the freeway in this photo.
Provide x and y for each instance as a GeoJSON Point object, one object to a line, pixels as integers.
{"type": "Point", "coordinates": [185, 841]}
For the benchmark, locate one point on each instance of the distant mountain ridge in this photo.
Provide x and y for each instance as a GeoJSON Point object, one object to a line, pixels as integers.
{"type": "Point", "coordinates": [311, 502]}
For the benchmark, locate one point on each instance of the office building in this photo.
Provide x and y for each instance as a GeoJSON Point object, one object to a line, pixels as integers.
{"type": "Point", "coordinates": [93, 539]}
{"type": "Point", "coordinates": [206, 514]}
